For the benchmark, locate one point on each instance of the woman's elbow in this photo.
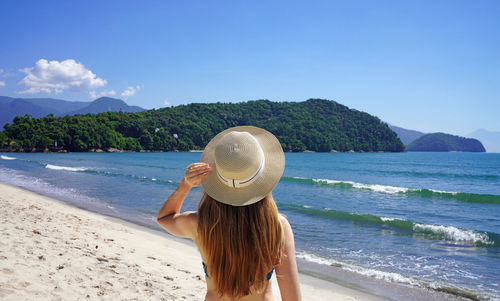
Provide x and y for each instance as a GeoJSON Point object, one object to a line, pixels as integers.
{"type": "Point", "coordinates": [159, 218]}
{"type": "Point", "coordinates": [163, 221]}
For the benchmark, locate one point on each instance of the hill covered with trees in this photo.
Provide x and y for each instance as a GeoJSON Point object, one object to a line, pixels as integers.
{"type": "Point", "coordinates": [441, 142]}
{"type": "Point", "coordinates": [316, 125]}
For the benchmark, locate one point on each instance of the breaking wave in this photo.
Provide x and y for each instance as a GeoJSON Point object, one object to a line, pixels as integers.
{"type": "Point", "coordinates": [66, 168]}
{"type": "Point", "coordinates": [422, 192]}
{"type": "Point", "coordinates": [109, 174]}
{"type": "Point", "coordinates": [449, 234]}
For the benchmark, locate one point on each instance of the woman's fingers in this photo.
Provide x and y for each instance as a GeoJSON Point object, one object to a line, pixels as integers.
{"type": "Point", "coordinates": [197, 172]}
{"type": "Point", "coordinates": [197, 166]}
{"type": "Point", "coordinates": [203, 176]}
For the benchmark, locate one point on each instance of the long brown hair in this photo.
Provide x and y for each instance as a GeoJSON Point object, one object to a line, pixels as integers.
{"type": "Point", "coordinates": [242, 243]}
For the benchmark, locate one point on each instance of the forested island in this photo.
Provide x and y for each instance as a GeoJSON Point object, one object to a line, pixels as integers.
{"type": "Point", "coordinates": [441, 142]}
{"type": "Point", "coordinates": [315, 125]}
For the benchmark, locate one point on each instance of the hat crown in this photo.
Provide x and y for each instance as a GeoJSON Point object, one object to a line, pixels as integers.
{"type": "Point", "coordinates": [238, 155]}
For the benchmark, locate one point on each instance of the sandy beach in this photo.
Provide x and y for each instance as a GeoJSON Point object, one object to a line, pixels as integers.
{"type": "Point", "coordinates": [53, 251]}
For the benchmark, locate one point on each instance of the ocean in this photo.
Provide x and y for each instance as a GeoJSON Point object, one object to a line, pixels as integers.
{"type": "Point", "coordinates": [419, 220]}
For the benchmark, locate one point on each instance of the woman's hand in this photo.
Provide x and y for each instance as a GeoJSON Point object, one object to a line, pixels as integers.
{"type": "Point", "coordinates": [195, 173]}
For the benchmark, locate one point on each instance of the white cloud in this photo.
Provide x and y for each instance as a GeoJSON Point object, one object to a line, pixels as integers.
{"type": "Point", "coordinates": [2, 84]}
{"type": "Point", "coordinates": [55, 76]}
{"type": "Point", "coordinates": [130, 91]}
{"type": "Point", "coordinates": [167, 104]}
{"type": "Point", "coordinates": [94, 94]}
{"type": "Point", "coordinates": [1, 70]}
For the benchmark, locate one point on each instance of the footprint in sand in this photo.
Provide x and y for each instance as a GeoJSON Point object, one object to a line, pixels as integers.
{"type": "Point", "coordinates": [102, 259]}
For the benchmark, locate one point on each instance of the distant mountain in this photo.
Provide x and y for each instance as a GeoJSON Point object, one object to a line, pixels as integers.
{"type": "Point", "coordinates": [39, 107]}
{"type": "Point", "coordinates": [9, 110]}
{"type": "Point", "coordinates": [406, 136]}
{"type": "Point", "coordinates": [58, 106]}
{"type": "Point", "coordinates": [441, 142]}
{"type": "Point", "coordinates": [5, 99]}
{"type": "Point", "coordinates": [106, 104]}
{"type": "Point", "coordinates": [490, 139]}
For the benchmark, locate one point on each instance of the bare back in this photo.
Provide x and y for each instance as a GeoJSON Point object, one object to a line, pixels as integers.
{"type": "Point", "coordinates": [286, 273]}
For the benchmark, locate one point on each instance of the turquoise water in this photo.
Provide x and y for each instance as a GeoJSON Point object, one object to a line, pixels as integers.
{"type": "Point", "coordinates": [422, 219]}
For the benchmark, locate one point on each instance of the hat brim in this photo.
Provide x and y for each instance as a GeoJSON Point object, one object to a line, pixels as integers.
{"type": "Point", "coordinates": [274, 166]}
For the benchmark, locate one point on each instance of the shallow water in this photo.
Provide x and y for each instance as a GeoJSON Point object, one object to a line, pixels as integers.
{"type": "Point", "coordinates": [422, 219]}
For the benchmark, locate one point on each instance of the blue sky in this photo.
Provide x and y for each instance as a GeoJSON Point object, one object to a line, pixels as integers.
{"type": "Point", "coordinates": [423, 65]}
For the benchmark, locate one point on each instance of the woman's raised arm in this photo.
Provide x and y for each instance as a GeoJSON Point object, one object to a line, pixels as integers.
{"type": "Point", "coordinates": [169, 216]}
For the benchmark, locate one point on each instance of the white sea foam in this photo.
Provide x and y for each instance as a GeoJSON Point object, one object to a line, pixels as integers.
{"type": "Point", "coordinates": [441, 191]}
{"type": "Point", "coordinates": [454, 234]}
{"type": "Point", "coordinates": [7, 158]}
{"type": "Point", "coordinates": [390, 219]}
{"type": "Point", "coordinates": [316, 259]}
{"type": "Point", "coordinates": [17, 178]}
{"type": "Point", "coordinates": [327, 181]}
{"type": "Point", "coordinates": [377, 187]}
{"type": "Point", "coordinates": [386, 276]}
{"type": "Point", "coordinates": [380, 188]}
{"type": "Point", "coordinates": [57, 167]}
{"type": "Point", "coordinates": [373, 187]}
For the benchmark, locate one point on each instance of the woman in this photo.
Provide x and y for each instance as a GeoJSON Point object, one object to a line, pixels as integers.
{"type": "Point", "coordinates": [239, 233]}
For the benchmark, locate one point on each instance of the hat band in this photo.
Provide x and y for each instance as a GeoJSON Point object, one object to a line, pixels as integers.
{"type": "Point", "coordinates": [234, 183]}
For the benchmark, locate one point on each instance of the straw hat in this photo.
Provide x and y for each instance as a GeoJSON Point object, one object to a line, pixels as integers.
{"type": "Point", "coordinates": [247, 162]}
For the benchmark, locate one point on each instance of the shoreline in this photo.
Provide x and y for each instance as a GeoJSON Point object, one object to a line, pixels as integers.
{"type": "Point", "coordinates": [201, 151]}
{"type": "Point", "coordinates": [63, 151]}
{"type": "Point", "coordinates": [53, 250]}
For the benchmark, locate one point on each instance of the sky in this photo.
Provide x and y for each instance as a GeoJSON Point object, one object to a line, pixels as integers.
{"type": "Point", "coordinates": [423, 65]}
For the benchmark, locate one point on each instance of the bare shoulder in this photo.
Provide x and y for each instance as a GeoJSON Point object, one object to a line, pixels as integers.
{"type": "Point", "coordinates": [287, 231]}
{"type": "Point", "coordinates": [192, 218]}
{"type": "Point", "coordinates": [284, 223]}
{"type": "Point", "coordinates": [191, 223]}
